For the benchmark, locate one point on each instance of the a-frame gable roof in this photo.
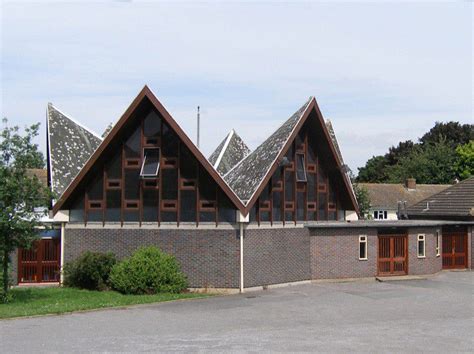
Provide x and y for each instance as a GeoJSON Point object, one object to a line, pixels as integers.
{"type": "Point", "coordinates": [70, 145]}
{"type": "Point", "coordinates": [146, 93]}
{"type": "Point", "coordinates": [229, 153]}
{"type": "Point", "coordinates": [249, 177]}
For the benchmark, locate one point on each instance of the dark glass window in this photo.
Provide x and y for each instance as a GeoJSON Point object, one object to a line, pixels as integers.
{"type": "Point", "coordinates": [289, 185]}
{"type": "Point", "coordinates": [188, 205]}
{"type": "Point", "coordinates": [151, 163]}
{"type": "Point", "coordinates": [300, 168]}
{"type": "Point", "coordinates": [76, 213]}
{"type": "Point", "coordinates": [152, 124]}
{"type": "Point", "coordinates": [114, 167]}
{"type": "Point", "coordinates": [169, 183]}
{"type": "Point", "coordinates": [311, 187]}
{"type": "Point", "coordinates": [132, 145]}
{"type": "Point", "coordinates": [112, 211]}
{"type": "Point", "coordinates": [132, 184]}
{"type": "Point", "coordinates": [277, 206]}
{"type": "Point", "coordinates": [131, 215]}
{"type": "Point", "coordinates": [187, 164]}
{"type": "Point", "coordinates": [300, 207]}
{"type": "Point", "coordinates": [253, 214]}
{"type": "Point", "coordinates": [227, 212]}
{"type": "Point", "coordinates": [96, 189]}
{"type": "Point", "coordinates": [207, 216]}
{"type": "Point", "coordinates": [150, 205]}
{"type": "Point", "coordinates": [323, 202]}
{"type": "Point", "coordinates": [207, 187]}
{"type": "Point", "coordinates": [170, 141]}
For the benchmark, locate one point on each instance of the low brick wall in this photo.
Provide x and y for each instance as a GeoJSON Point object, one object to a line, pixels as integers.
{"type": "Point", "coordinates": [335, 253]}
{"type": "Point", "coordinates": [209, 258]}
{"type": "Point", "coordinates": [276, 255]}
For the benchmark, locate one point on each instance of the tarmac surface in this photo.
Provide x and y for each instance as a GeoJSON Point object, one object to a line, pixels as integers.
{"type": "Point", "coordinates": [435, 315]}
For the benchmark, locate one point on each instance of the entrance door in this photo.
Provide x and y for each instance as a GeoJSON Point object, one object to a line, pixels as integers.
{"type": "Point", "coordinates": [40, 263]}
{"type": "Point", "coordinates": [393, 255]}
{"type": "Point", "coordinates": [454, 249]}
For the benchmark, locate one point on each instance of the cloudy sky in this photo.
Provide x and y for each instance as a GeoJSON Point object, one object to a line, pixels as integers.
{"type": "Point", "coordinates": [382, 72]}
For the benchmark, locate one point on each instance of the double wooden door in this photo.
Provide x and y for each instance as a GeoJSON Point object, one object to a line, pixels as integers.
{"type": "Point", "coordinates": [40, 263]}
{"type": "Point", "coordinates": [454, 249]}
{"type": "Point", "coordinates": [393, 255]}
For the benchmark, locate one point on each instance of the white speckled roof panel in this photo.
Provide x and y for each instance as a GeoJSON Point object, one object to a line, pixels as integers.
{"type": "Point", "coordinates": [70, 145]}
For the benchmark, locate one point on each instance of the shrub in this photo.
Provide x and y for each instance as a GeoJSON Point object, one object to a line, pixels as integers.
{"type": "Point", "coordinates": [148, 271]}
{"type": "Point", "coordinates": [90, 271]}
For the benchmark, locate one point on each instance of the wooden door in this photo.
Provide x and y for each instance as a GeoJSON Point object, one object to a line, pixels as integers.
{"type": "Point", "coordinates": [40, 263]}
{"type": "Point", "coordinates": [393, 255]}
{"type": "Point", "coordinates": [454, 249]}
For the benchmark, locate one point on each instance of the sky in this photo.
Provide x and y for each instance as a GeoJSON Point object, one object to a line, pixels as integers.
{"type": "Point", "coordinates": [382, 72]}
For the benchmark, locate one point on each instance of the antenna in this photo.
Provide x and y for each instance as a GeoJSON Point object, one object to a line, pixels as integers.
{"type": "Point", "coordinates": [198, 124]}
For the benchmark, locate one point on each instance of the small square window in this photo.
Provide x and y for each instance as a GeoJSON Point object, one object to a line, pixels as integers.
{"type": "Point", "coordinates": [363, 248]}
{"type": "Point", "coordinates": [421, 246]}
{"type": "Point", "coordinates": [380, 215]}
{"type": "Point", "coordinates": [300, 168]}
{"type": "Point", "coordinates": [151, 163]}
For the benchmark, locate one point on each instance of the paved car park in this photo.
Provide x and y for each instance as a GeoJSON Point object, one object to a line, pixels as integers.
{"type": "Point", "coordinates": [435, 314]}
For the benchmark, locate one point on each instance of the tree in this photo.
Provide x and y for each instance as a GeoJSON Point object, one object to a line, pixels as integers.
{"type": "Point", "coordinates": [363, 200]}
{"type": "Point", "coordinates": [395, 153]}
{"type": "Point", "coordinates": [432, 163]}
{"type": "Point", "coordinates": [464, 165]}
{"type": "Point", "coordinates": [453, 132]}
{"type": "Point", "coordinates": [374, 170]}
{"type": "Point", "coordinates": [23, 199]}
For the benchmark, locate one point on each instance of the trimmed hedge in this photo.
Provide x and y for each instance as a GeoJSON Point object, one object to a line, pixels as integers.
{"type": "Point", "coordinates": [90, 271]}
{"type": "Point", "coordinates": [148, 271]}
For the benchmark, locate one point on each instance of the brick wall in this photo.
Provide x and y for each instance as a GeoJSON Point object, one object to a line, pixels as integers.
{"type": "Point", "coordinates": [209, 258]}
{"type": "Point", "coordinates": [335, 253]}
{"type": "Point", "coordinates": [431, 263]}
{"type": "Point", "coordinates": [277, 255]}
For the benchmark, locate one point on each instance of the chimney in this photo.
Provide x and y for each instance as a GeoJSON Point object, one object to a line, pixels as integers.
{"type": "Point", "coordinates": [410, 183]}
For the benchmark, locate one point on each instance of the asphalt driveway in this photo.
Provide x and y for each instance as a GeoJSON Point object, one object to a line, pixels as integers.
{"type": "Point", "coordinates": [434, 315]}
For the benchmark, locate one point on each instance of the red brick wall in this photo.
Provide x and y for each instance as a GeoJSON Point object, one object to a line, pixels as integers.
{"type": "Point", "coordinates": [209, 258]}
{"type": "Point", "coordinates": [335, 253]}
{"type": "Point", "coordinates": [431, 263]}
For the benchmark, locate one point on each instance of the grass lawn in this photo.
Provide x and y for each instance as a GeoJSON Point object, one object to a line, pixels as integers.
{"type": "Point", "coordinates": [55, 300]}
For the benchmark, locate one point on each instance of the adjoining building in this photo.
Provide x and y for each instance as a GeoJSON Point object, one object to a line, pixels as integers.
{"type": "Point", "coordinates": [242, 219]}
{"type": "Point", "coordinates": [389, 201]}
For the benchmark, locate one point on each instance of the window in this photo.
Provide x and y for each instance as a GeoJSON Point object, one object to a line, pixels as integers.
{"type": "Point", "coordinates": [380, 214]}
{"type": "Point", "coordinates": [151, 163]}
{"type": "Point", "coordinates": [363, 248]}
{"type": "Point", "coordinates": [421, 246]}
{"type": "Point", "coordinates": [300, 168]}
{"type": "Point", "coordinates": [438, 243]}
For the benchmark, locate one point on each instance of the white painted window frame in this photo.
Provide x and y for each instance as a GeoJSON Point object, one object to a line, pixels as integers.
{"type": "Point", "coordinates": [438, 243]}
{"type": "Point", "coordinates": [384, 214]}
{"type": "Point", "coordinates": [421, 238]}
{"type": "Point", "coordinates": [363, 239]}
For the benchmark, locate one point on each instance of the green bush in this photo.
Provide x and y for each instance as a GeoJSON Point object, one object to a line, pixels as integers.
{"type": "Point", "coordinates": [90, 271]}
{"type": "Point", "coordinates": [148, 271]}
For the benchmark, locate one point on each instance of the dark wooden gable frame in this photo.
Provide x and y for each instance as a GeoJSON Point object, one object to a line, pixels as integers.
{"type": "Point", "coordinates": [146, 93]}
{"type": "Point", "coordinates": [312, 106]}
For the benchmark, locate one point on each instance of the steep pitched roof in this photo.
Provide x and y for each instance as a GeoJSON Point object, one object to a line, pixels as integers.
{"type": "Point", "coordinates": [248, 175]}
{"type": "Point", "coordinates": [332, 134]}
{"type": "Point", "coordinates": [70, 145]}
{"type": "Point", "coordinates": [229, 152]}
{"type": "Point", "coordinates": [387, 195]}
{"type": "Point", "coordinates": [456, 201]}
{"type": "Point", "coordinates": [146, 94]}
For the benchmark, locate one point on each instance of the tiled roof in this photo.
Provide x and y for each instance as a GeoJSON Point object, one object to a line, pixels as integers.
{"type": "Point", "coordinates": [387, 195]}
{"type": "Point", "coordinates": [248, 174]}
{"type": "Point", "coordinates": [455, 201]}
{"type": "Point", "coordinates": [229, 152]}
{"type": "Point", "coordinates": [332, 134]}
{"type": "Point", "coordinates": [69, 147]}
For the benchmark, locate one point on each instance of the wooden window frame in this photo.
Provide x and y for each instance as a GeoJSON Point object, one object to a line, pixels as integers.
{"type": "Point", "coordinates": [184, 181]}
{"type": "Point", "coordinates": [168, 207]}
{"type": "Point", "coordinates": [90, 202]}
{"type": "Point", "coordinates": [114, 187]}
{"type": "Point", "coordinates": [169, 163]}
{"type": "Point", "coordinates": [297, 157]}
{"type": "Point", "coordinates": [438, 243]}
{"type": "Point", "coordinates": [131, 201]}
{"type": "Point", "coordinates": [204, 208]}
